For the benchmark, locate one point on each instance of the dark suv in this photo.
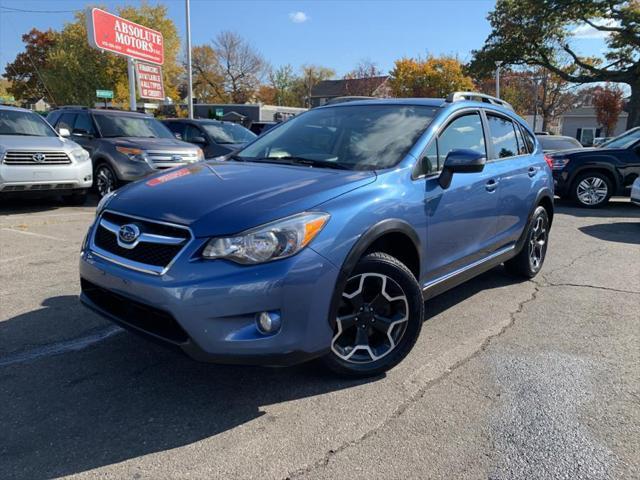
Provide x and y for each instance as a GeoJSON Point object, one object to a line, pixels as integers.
{"type": "Point", "coordinates": [590, 176]}
{"type": "Point", "coordinates": [214, 137]}
{"type": "Point", "coordinates": [124, 146]}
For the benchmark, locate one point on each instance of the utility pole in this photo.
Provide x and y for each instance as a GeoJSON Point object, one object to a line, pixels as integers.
{"type": "Point", "coordinates": [131, 70]}
{"type": "Point", "coordinates": [498, 64]}
{"type": "Point", "coordinates": [189, 73]}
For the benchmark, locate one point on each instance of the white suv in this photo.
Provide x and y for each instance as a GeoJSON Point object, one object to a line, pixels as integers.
{"type": "Point", "coordinates": [35, 159]}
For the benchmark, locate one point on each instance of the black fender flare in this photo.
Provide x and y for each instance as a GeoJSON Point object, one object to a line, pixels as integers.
{"type": "Point", "coordinates": [617, 180]}
{"type": "Point", "coordinates": [544, 193]}
{"type": "Point", "coordinates": [392, 225]}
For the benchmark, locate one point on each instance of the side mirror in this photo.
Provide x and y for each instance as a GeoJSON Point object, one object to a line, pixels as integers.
{"type": "Point", "coordinates": [461, 161]}
{"type": "Point", "coordinates": [79, 132]}
{"type": "Point", "coordinates": [198, 140]}
{"type": "Point", "coordinates": [177, 135]}
{"type": "Point", "coordinates": [64, 132]}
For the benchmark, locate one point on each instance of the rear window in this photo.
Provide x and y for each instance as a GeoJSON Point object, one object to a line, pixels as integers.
{"type": "Point", "coordinates": [550, 143]}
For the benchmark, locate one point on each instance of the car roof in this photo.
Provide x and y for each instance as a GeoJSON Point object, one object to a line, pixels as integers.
{"type": "Point", "coordinates": [15, 109]}
{"type": "Point", "coordinates": [427, 102]}
{"type": "Point", "coordinates": [108, 111]}
{"type": "Point", "coordinates": [197, 120]}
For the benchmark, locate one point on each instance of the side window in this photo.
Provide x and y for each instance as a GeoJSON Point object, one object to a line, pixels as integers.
{"type": "Point", "coordinates": [176, 128]}
{"type": "Point", "coordinates": [52, 118]}
{"type": "Point", "coordinates": [429, 162]}
{"type": "Point", "coordinates": [66, 121]}
{"type": "Point", "coordinates": [190, 132]}
{"type": "Point", "coordinates": [528, 139]}
{"type": "Point", "coordinates": [464, 132]}
{"type": "Point", "coordinates": [84, 124]}
{"type": "Point", "coordinates": [522, 147]}
{"type": "Point", "coordinates": [503, 136]}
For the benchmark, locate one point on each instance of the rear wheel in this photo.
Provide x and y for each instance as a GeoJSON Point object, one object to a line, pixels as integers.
{"type": "Point", "coordinates": [591, 189]}
{"type": "Point", "coordinates": [530, 259]}
{"type": "Point", "coordinates": [105, 180]}
{"type": "Point", "coordinates": [379, 318]}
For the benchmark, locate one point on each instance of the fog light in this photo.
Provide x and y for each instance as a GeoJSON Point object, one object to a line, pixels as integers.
{"type": "Point", "coordinates": [87, 178]}
{"type": "Point", "coordinates": [268, 322]}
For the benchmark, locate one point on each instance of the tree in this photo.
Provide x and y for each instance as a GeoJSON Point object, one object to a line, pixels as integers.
{"type": "Point", "coordinates": [431, 77]}
{"type": "Point", "coordinates": [24, 71]}
{"type": "Point", "coordinates": [242, 66]}
{"type": "Point", "coordinates": [367, 75]}
{"type": "Point", "coordinates": [608, 104]}
{"type": "Point", "coordinates": [282, 80]}
{"type": "Point", "coordinates": [533, 32]}
{"type": "Point", "coordinates": [208, 77]}
{"type": "Point", "coordinates": [310, 76]}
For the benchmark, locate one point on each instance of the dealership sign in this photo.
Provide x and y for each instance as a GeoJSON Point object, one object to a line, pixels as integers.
{"type": "Point", "coordinates": [117, 35]}
{"type": "Point", "coordinates": [149, 81]}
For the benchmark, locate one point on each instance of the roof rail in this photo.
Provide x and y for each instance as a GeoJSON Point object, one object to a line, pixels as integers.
{"type": "Point", "coordinates": [477, 97]}
{"type": "Point", "coordinates": [75, 107]}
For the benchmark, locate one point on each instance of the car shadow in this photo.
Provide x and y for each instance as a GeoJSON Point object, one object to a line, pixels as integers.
{"type": "Point", "coordinates": [125, 397]}
{"type": "Point", "coordinates": [616, 208]}
{"type": "Point", "coordinates": [17, 205]}
{"type": "Point", "coordinates": [620, 232]}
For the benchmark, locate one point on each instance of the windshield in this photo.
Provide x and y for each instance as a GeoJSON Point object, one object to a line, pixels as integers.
{"type": "Point", "coordinates": [14, 122]}
{"type": "Point", "coordinates": [131, 126]}
{"type": "Point", "coordinates": [623, 141]}
{"type": "Point", "coordinates": [358, 137]}
{"type": "Point", "coordinates": [228, 133]}
{"type": "Point", "coordinates": [552, 144]}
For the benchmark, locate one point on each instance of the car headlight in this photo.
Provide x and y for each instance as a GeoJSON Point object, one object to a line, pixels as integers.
{"type": "Point", "coordinates": [133, 153]}
{"type": "Point", "coordinates": [272, 241]}
{"type": "Point", "coordinates": [104, 201]}
{"type": "Point", "coordinates": [558, 163]}
{"type": "Point", "coordinates": [199, 155]}
{"type": "Point", "coordinates": [80, 155]}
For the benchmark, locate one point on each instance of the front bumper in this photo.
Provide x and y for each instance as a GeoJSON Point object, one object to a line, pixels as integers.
{"type": "Point", "coordinates": [26, 178]}
{"type": "Point", "coordinates": [207, 308]}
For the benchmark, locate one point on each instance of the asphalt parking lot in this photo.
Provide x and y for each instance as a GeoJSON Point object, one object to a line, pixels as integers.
{"type": "Point", "coordinates": [509, 380]}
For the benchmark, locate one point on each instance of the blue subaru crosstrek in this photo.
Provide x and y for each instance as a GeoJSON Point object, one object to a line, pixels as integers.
{"type": "Point", "coordinates": [325, 236]}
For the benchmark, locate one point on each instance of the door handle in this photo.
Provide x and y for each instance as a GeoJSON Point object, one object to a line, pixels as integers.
{"type": "Point", "coordinates": [491, 185]}
{"type": "Point", "coordinates": [532, 171]}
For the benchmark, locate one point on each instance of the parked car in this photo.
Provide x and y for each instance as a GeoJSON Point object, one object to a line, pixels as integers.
{"type": "Point", "coordinates": [124, 146]}
{"type": "Point", "coordinates": [554, 143]}
{"type": "Point", "coordinates": [214, 137]}
{"type": "Point", "coordinates": [600, 140]}
{"type": "Point", "coordinates": [34, 159]}
{"type": "Point", "coordinates": [635, 191]}
{"type": "Point", "coordinates": [590, 176]}
{"type": "Point", "coordinates": [262, 127]}
{"type": "Point", "coordinates": [323, 237]}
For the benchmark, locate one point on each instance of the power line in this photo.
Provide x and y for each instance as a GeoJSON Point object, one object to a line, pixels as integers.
{"type": "Point", "coordinates": [21, 10]}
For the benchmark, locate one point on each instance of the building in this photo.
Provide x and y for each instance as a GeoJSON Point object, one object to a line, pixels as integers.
{"type": "Point", "coordinates": [582, 123]}
{"type": "Point", "coordinates": [327, 90]}
{"type": "Point", "coordinates": [37, 105]}
{"type": "Point", "coordinates": [253, 112]}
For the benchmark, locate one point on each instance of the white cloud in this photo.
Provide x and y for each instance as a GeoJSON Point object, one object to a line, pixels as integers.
{"type": "Point", "coordinates": [298, 17]}
{"type": "Point", "coordinates": [587, 31]}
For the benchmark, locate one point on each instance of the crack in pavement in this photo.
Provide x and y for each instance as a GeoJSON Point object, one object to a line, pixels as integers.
{"type": "Point", "coordinates": [420, 393]}
{"type": "Point", "coordinates": [584, 285]}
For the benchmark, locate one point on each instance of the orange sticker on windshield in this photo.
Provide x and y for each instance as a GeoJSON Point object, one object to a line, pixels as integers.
{"type": "Point", "coordinates": [168, 177]}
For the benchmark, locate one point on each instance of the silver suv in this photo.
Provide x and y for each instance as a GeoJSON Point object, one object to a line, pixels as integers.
{"type": "Point", "coordinates": [124, 146]}
{"type": "Point", "coordinates": [35, 159]}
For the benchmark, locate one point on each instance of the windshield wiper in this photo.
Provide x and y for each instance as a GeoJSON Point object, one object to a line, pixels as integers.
{"type": "Point", "coordinates": [23, 134]}
{"type": "Point", "coordinates": [310, 162]}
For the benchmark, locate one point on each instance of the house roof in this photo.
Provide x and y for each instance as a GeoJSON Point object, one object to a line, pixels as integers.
{"type": "Point", "coordinates": [340, 88]}
{"type": "Point", "coordinates": [589, 111]}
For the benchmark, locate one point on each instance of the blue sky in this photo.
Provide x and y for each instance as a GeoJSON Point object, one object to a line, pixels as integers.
{"type": "Point", "coordinates": [334, 33]}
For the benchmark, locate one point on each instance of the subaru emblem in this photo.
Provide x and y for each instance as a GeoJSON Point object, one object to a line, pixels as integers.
{"type": "Point", "coordinates": [129, 233]}
{"type": "Point", "coordinates": [39, 157]}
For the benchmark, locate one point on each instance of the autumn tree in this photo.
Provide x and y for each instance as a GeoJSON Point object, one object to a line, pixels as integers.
{"type": "Point", "coordinates": [282, 81]}
{"type": "Point", "coordinates": [208, 77]}
{"type": "Point", "coordinates": [540, 33]}
{"type": "Point", "coordinates": [24, 72]}
{"type": "Point", "coordinates": [242, 66]}
{"type": "Point", "coordinates": [310, 76]}
{"type": "Point", "coordinates": [430, 77]}
{"type": "Point", "coordinates": [608, 103]}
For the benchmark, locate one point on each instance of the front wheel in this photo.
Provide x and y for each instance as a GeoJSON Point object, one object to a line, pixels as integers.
{"type": "Point", "coordinates": [105, 180]}
{"type": "Point", "coordinates": [591, 190]}
{"type": "Point", "coordinates": [379, 318]}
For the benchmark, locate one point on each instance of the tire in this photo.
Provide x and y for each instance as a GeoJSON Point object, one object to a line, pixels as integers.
{"type": "Point", "coordinates": [535, 245]}
{"type": "Point", "coordinates": [76, 199]}
{"type": "Point", "coordinates": [106, 180]}
{"type": "Point", "coordinates": [380, 289]}
{"type": "Point", "coordinates": [591, 189]}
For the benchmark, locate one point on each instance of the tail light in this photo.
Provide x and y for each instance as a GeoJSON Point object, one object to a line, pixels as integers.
{"type": "Point", "coordinates": [549, 160]}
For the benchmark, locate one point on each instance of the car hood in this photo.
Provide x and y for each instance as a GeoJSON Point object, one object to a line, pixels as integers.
{"type": "Point", "coordinates": [167, 144]}
{"type": "Point", "coordinates": [23, 142]}
{"type": "Point", "coordinates": [219, 198]}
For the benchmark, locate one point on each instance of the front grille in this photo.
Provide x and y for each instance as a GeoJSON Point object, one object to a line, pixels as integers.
{"type": "Point", "coordinates": [156, 253]}
{"type": "Point", "coordinates": [143, 317]}
{"type": "Point", "coordinates": [38, 187]}
{"type": "Point", "coordinates": [33, 157]}
{"type": "Point", "coordinates": [163, 159]}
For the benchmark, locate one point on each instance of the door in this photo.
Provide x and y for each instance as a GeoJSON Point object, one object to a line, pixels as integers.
{"type": "Point", "coordinates": [84, 132]}
{"type": "Point", "coordinates": [518, 173]}
{"type": "Point", "coordinates": [461, 221]}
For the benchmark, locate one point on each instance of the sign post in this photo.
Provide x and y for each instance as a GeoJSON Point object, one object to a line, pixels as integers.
{"type": "Point", "coordinates": [104, 94]}
{"type": "Point", "coordinates": [108, 32]}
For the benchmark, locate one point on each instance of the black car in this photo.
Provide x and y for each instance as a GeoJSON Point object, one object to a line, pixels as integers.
{"type": "Point", "coordinates": [555, 143]}
{"type": "Point", "coordinates": [124, 146]}
{"type": "Point", "coordinates": [216, 138]}
{"type": "Point", "coordinates": [590, 176]}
